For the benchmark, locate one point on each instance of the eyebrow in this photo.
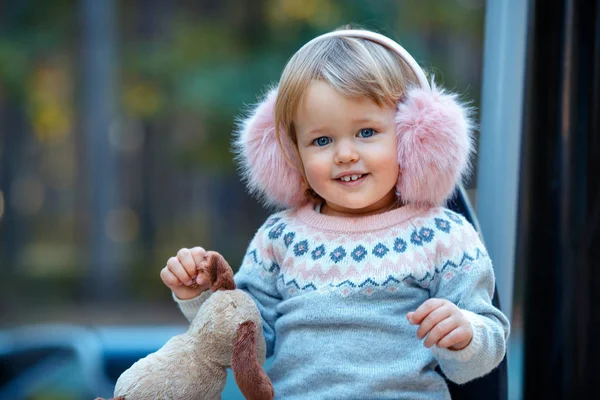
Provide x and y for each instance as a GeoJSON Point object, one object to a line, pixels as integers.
{"type": "Point", "coordinates": [365, 120]}
{"type": "Point", "coordinates": [315, 131]}
{"type": "Point", "coordinates": [362, 120]}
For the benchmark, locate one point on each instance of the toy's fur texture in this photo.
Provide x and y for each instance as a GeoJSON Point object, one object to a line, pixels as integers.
{"type": "Point", "coordinates": [434, 133]}
{"type": "Point", "coordinates": [226, 332]}
{"type": "Point", "coordinates": [249, 375]}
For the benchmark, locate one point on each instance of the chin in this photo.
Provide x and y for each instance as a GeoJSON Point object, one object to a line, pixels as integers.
{"type": "Point", "coordinates": [353, 205]}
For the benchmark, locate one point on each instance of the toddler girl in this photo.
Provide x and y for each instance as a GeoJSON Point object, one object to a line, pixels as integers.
{"type": "Point", "coordinates": [365, 282]}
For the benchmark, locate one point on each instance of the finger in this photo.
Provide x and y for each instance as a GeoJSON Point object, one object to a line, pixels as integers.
{"type": "Point", "coordinates": [439, 331]}
{"type": "Point", "coordinates": [456, 336]}
{"type": "Point", "coordinates": [205, 278]}
{"type": "Point", "coordinates": [169, 278]}
{"type": "Point", "coordinates": [187, 261]}
{"type": "Point", "coordinates": [424, 309]}
{"type": "Point", "coordinates": [199, 255]}
{"type": "Point", "coordinates": [177, 269]}
{"type": "Point", "coordinates": [434, 318]}
{"type": "Point", "coordinates": [203, 281]}
{"type": "Point", "coordinates": [201, 259]}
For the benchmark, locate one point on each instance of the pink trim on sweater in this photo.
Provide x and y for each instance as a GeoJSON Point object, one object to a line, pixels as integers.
{"type": "Point", "coordinates": [312, 218]}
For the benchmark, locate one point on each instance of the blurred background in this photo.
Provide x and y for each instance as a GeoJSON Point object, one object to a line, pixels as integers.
{"type": "Point", "coordinates": [115, 128]}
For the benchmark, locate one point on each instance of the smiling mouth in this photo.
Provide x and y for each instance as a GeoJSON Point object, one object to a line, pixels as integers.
{"type": "Point", "coordinates": [350, 178]}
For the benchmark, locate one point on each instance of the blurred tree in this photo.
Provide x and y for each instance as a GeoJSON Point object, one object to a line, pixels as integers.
{"type": "Point", "coordinates": [30, 33]}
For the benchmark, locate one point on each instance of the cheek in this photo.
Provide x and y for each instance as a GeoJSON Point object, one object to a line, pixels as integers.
{"type": "Point", "coordinates": [316, 173]}
{"type": "Point", "coordinates": [387, 162]}
{"type": "Point", "coordinates": [314, 168]}
{"type": "Point", "coordinates": [386, 153]}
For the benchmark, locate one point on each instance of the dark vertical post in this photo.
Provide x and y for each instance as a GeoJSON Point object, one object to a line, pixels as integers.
{"type": "Point", "coordinates": [99, 112]}
{"type": "Point", "coordinates": [13, 227]}
{"type": "Point", "coordinates": [591, 242]}
{"type": "Point", "coordinates": [559, 201]}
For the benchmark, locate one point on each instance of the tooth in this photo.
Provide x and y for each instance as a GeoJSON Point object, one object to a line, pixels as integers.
{"type": "Point", "coordinates": [355, 177]}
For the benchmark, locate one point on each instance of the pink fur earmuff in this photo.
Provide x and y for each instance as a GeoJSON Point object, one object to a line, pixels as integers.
{"type": "Point", "coordinates": [434, 135]}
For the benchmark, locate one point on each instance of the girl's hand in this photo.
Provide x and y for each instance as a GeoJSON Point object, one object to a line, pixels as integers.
{"type": "Point", "coordinates": [443, 323]}
{"type": "Point", "coordinates": [186, 274]}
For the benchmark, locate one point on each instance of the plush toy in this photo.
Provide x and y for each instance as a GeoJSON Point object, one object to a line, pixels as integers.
{"type": "Point", "coordinates": [226, 332]}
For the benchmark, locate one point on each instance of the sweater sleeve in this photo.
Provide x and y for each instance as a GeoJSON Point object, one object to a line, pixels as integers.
{"type": "Point", "coordinates": [190, 307]}
{"type": "Point", "coordinates": [464, 275]}
{"type": "Point", "coordinates": [258, 277]}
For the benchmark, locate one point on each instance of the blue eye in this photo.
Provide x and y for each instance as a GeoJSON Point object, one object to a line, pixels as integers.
{"type": "Point", "coordinates": [366, 133]}
{"type": "Point", "coordinates": [322, 141]}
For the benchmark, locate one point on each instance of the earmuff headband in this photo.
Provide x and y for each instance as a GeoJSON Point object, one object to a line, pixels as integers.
{"type": "Point", "coordinates": [384, 41]}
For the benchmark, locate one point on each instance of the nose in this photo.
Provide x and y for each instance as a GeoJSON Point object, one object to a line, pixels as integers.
{"type": "Point", "coordinates": [346, 153]}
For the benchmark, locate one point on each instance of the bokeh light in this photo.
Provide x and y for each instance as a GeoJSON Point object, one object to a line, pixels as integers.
{"type": "Point", "coordinates": [27, 195]}
{"type": "Point", "coordinates": [122, 225]}
{"type": "Point", "coordinates": [1, 204]}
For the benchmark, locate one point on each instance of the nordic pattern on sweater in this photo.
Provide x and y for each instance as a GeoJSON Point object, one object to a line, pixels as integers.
{"type": "Point", "coordinates": [355, 263]}
{"type": "Point", "coordinates": [334, 293]}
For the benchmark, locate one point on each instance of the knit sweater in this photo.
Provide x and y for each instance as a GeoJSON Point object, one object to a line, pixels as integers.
{"type": "Point", "coordinates": [334, 293]}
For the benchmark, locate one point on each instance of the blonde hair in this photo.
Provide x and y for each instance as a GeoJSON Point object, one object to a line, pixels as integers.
{"type": "Point", "coordinates": [354, 67]}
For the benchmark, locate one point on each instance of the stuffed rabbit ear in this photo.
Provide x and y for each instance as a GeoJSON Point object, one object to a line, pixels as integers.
{"type": "Point", "coordinates": [264, 167]}
{"type": "Point", "coordinates": [435, 144]}
{"type": "Point", "coordinates": [249, 375]}
{"type": "Point", "coordinates": [220, 272]}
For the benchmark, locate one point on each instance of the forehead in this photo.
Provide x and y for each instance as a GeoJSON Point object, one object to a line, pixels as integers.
{"type": "Point", "coordinates": [322, 105]}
